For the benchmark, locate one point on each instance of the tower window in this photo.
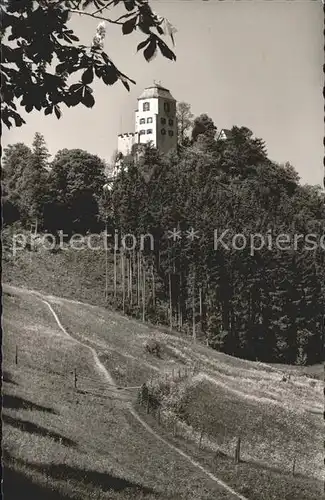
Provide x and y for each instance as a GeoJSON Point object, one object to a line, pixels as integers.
{"type": "Point", "coordinates": [142, 120]}
{"type": "Point", "coordinates": [149, 131]}
{"type": "Point", "coordinates": [163, 121]}
{"type": "Point", "coordinates": [163, 131]}
{"type": "Point", "coordinates": [142, 132]}
{"type": "Point", "coordinates": [166, 106]}
{"type": "Point", "coordinates": [171, 122]}
{"type": "Point", "coordinates": [149, 120]}
{"type": "Point", "coordinates": [171, 133]}
{"type": "Point", "coordinates": [146, 106]}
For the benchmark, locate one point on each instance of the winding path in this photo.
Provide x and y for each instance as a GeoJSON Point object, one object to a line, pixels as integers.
{"type": "Point", "coordinates": [105, 374]}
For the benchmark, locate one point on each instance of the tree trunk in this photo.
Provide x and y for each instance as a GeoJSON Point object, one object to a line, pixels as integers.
{"type": "Point", "coordinates": [170, 302]}
{"type": "Point", "coordinates": [128, 276]}
{"type": "Point", "coordinates": [144, 295]}
{"type": "Point", "coordinates": [106, 265]}
{"type": "Point", "coordinates": [131, 279]}
{"type": "Point", "coordinates": [123, 280]}
{"type": "Point", "coordinates": [193, 308]}
{"type": "Point", "coordinates": [139, 278]}
{"type": "Point", "coordinates": [153, 287]}
{"type": "Point", "coordinates": [181, 301]}
{"type": "Point", "coordinates": [115, 274]}
{"type": "Point", "coordinates": [200, 297]}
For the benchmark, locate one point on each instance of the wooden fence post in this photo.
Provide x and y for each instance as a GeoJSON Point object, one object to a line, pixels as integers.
{"type": "Point", "coordinates": [16, 355]}
{"type": "Point", "coordinates": [237, 452]}
{"type": "Point", "coordinates": [75, 378]}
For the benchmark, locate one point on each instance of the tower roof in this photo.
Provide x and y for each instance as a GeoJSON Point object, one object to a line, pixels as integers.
{"type": "Point", "coordinates": [156, 91]}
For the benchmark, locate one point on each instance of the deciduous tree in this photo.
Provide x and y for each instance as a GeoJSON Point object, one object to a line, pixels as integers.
{"type": "Point", "coordinates": [76, 183]}
{"type": "Point", "coordinates": [40, 52]}
{"type": "Point", "coordinates": [184, 121]}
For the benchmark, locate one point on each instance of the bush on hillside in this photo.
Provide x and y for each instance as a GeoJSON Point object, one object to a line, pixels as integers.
{"type": "Point", "coordinates": [153, 347]}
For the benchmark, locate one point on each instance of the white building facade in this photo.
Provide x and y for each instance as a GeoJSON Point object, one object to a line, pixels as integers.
{"type": "Point", "coordinates": [155, 122]}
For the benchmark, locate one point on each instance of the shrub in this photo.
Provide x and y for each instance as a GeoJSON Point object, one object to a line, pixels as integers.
{"type": "Point", "coordinates": [153, 347]}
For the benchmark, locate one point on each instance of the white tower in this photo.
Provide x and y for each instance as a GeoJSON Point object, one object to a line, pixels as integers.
{"type": "Point", "coordinates": [155, 118]}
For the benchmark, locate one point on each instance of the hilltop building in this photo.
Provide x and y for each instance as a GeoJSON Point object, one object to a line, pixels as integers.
{"type": "Point", "coordinates": [155, 122]}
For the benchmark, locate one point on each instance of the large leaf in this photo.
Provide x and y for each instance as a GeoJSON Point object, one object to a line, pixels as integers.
{"type": "Point", "coordinates": [57, 111]}
{"type": "Point", "coordinates": [125, 83]}
{"type": "Point", "coordinates": [165, 50]}
{"type": "Point", "coordinates": [110, 75]}
{"type": "Point", "coordinates": [150, 50]}
{"type": "Point", "coordinates": [88, 99]}
{"type": "Point", "coordinates": [143, 44]}
{"type": "Point", "coordinates": [129, 4]}
{"type": "Point", "coordinates": [88, 76]}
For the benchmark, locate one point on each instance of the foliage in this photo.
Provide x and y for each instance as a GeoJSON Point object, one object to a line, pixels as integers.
{"type": "Point", "coordinates": [203, 124]}
{"type": "Point", "coordinates": [25, 177]}
{"type": "Point", "coordinates": [265, 305]}
{"type": "Point", "coordinates": [76, 183]}
{"type": "Point", "coordinates": [184, 121]}
{"type": "Point", "coordinates": [42, 52]}
{"type": "Point", "coordinates": [152, 346]}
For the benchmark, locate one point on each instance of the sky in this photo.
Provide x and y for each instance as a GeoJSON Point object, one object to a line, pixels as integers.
{"type": "Point", "coordinates": [247, 63]}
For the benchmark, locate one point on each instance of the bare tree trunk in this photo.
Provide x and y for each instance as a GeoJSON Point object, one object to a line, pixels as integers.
{"type": "Point", "coordinates": [144, 295]}
{"type": "Point", "coordinates": [128, 276]}
{"type": "Point", "coordinates": [181, 301]}
{"type": "Point", "coordinates": [131, 278]}
{"type": "Point", "coordinates": [153, 287]}
{"type": "Point", "coordinates": [179, 313]}
{"type": "Point", "coordinates": [123, 280]}
{"type": "Point", "coordinates": [193, 308]}
{"type": "Point", "coordinates": [139, 277]}
{"type": "Point", "coordinates": [106, 264]}
{"type": "Point", "coordinates": [115, 273]}
{"type": "Point", "coordinates": [201, 319]}
{"type": "Point", "coordinates": [170, 302]}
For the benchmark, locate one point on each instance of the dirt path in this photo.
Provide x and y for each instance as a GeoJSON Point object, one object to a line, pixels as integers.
{"type": "Point", "coordinates": [104, 374]}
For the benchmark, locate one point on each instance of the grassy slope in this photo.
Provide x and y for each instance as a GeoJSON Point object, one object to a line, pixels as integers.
{"type": "Point", "coordinates": [78, 275]}
{"type": "Point", "coordinates": [276, 420]}
{"type": "Point", "coordinates": [69, 274]}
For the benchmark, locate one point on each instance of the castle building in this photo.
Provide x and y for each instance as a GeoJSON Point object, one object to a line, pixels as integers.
{"type": "Point", "coordinates": [155, 122]}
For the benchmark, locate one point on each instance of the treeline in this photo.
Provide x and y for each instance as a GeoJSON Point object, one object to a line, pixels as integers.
{"type": "Point", "coordinates": [266, 305]}
{"type": "Point", "coordinates": [65, 194]}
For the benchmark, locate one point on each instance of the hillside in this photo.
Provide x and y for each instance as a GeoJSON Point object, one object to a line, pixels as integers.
{"type": "Point", "coordinates": [65, 273]}
{"type": "Point", "coordinates": [73, 441]}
